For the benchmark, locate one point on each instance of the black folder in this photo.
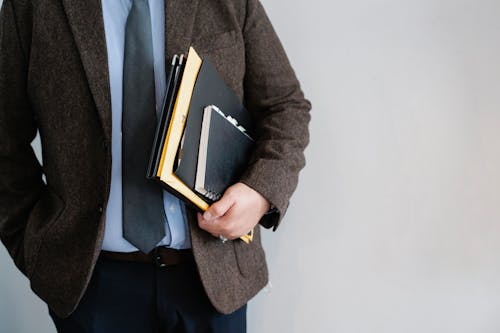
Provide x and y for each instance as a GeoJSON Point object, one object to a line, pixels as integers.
{"type": "Point", "coordinates": [210, 89]}
{"type": "Point", "coordinates": [173, 82]}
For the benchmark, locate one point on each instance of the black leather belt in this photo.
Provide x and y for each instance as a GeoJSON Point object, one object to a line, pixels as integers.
{"type": "Point", "coordinates": [160, 256]}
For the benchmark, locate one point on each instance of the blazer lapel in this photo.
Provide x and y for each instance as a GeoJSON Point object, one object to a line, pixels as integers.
{"type": "Point", "coordinates": [179, 21]}
{"type": "Point", "coordinates": [87, 25]}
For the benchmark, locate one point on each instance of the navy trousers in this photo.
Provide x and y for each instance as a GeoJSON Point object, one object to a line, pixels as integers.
{"type": "Point", "coordinates": [125, 297]}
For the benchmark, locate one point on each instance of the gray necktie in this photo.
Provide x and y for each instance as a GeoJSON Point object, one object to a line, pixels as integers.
{"type": "Point", "coordinates": [143, 213]}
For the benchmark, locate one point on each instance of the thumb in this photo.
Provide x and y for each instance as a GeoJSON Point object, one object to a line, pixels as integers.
{"type": "Point", "coordinates": [218, 208]}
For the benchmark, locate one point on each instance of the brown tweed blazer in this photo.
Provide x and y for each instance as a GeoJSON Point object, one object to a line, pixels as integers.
{"type": "Point", "coordinates": [54, 78]}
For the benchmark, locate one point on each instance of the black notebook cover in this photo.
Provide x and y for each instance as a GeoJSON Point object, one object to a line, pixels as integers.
{"type": "Point", "coordinates": [210, 89]}
{"type": "Point", "coordinates": [223, 154]}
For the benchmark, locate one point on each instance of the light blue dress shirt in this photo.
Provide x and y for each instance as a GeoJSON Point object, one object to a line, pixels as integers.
{"type": "Point", "coordinates": [115, 14]}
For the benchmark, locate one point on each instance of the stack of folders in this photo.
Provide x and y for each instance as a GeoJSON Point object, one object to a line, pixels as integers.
{"type": "Point", "coordinates": [204, 135]}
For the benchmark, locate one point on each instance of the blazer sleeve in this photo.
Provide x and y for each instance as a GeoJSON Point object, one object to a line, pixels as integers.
{"type": "Point", "coordinates": [274, 96]}
{"type": "Point", "coordinates": [20, 172]}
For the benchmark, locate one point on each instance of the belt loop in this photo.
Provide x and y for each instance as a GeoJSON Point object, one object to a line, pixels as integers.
{"type": "Point", "coordinates": [157, 258]}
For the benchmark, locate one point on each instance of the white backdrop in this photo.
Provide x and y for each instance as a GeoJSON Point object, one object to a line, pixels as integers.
{"type": "Point", "coordinates": [395, 226]}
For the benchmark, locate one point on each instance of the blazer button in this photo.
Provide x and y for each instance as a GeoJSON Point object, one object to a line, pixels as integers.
{"type": "Point", "coordinates": [100, 209]}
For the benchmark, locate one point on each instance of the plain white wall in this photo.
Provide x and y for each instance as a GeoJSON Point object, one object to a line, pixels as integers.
{"type": "Point", "coordinates": [395, 224]}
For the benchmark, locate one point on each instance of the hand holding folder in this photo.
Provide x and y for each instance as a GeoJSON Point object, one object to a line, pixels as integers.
{"type": "Point", "coordinates": [240, 203]}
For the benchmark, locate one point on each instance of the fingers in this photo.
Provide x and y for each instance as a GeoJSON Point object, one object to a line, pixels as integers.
{"type": "Point", "coordinates": [237, 212]}
{"type": "Point", "coordinates": [209, 226]}
{"type": "Point", "coordinates": [225, 226]}
{"type": "Point", "coordinates": [203, 224]}
{"type": "Point", "coordinates": [219, 208]}
{"type": "Point", "coordinates": [229, 224]}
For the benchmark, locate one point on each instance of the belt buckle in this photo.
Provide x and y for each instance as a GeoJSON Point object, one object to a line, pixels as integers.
{"type": "Point", "coordinates": [157, 258]}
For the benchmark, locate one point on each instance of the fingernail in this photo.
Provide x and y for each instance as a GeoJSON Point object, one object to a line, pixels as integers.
{"type": "Point", "coordinates": [207, 216]}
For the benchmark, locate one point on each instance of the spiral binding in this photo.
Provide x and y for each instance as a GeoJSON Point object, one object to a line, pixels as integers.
{"type": "Point", "coordinates": [212, 195]}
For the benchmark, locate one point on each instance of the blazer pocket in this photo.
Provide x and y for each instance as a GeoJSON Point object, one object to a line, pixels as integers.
{"type": "Point", "coordinates": [43, 216]}
{"type": "Point", "coordinates": [210, 43]}
{"type": "Point", "coordinates": [250, 257]}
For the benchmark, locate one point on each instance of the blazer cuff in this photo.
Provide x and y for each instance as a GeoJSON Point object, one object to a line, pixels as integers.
{"type": "Point", "coordinates": [267, 183]}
